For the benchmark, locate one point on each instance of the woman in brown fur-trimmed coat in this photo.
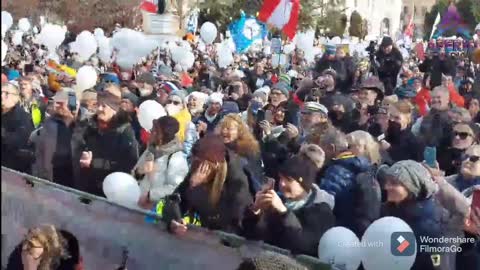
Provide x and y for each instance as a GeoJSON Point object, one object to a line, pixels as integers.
{"type": "Point", "coordinates": [238, 138]}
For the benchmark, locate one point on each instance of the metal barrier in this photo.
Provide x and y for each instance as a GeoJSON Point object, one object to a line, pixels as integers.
{"type": "Point", "coordinates": [105, 230]}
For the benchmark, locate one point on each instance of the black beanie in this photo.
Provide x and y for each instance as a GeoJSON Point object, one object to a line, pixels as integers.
{"type": "Point", "coordinates": [300, 169]}
{"type": "Point", "coordinates": [168, 126]}
{"type": "Point", "coordinates": [386, 41]}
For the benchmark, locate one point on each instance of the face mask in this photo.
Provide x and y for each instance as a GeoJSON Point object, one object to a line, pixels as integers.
{"type": "Point", "coordinates": [172, 109]}
{"type": "Point", "coordinates": [144, 92]}
{"type": "Point", "coordinates": [393, 131]}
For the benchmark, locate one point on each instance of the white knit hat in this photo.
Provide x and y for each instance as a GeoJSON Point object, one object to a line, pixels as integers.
{"type": "Point", "coordinates": [216, 98]}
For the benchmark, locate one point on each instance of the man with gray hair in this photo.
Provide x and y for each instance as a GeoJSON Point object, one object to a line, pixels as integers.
{"type": "Point", "coordinates": [16, 128]}
{"type": "Point", "coordinates": [339, 177]}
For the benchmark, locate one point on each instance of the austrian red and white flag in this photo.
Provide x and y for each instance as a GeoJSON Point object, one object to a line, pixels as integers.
{"type": "Point", "coordinates": [282, 14]}
{"type": "Point", "coordinates": [149, 6]}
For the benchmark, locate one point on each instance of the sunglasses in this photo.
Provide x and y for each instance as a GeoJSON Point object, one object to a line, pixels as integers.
{"type": "Point", "coordinates": [472, 159]}
{"type": "Point", "coordinates": [462, 135]}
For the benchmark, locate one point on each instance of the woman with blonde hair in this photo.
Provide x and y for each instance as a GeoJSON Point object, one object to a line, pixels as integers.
{"type": "Point", "coordinates": [238, 138]}
{"type": "Point", "coordinates": [215, 191]}
{"type": "Point", "coordinates": [45, 248]}
{"type": "Point", "coordinates": [361, 143]}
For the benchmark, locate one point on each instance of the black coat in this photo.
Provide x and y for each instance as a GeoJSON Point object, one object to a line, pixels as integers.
{"type": "Point", "coordinates": [404, 146]}
{"type": "Point", "coordinates": [436, 67]}
{"type": "Point", "coordinates": [17, 126]}
{"type": "Point", "coordinates": [389, 67]}
{"type": "Point", "coordinates": [297, 230]}
{"type": "Point", "coordinates": [115, 150]}
{"type": "Point", "coordinates": [228, 213]}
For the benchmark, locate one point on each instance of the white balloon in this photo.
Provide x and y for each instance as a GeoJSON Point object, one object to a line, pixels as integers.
{"type": "Point", "coordinates": [131, 46]}
{"type": "Point", "coordinates": [86, 78]}
{"type": "Point", "coordinates": [182, 56]}
{"type": "Point", "coordinates": [4, 30]}
{"type": "Point", "coordinates": [148, 111]}
{"type": "Point", "coordinates": [35, 30]}
{"type": "Point", "coordinates": [24, 24]}
{"type": "Point", "coordinates": [52, 36]}
{"type": "Point", "coordinates": [304, 40]}
{"type": "Point", "coordinates": [104, 49]}
{"type": "Point", "coordinates": [289, 48]}
{"type": "Point", "coordinates": [7, 20]}
{"type": "Point", "coordinates": [4, 50]}
{"type": "Point", "coordinates": [340, 248]}
{"type": "Point", "coordinates": [17, 38]}
{"type": "Point", "coordinates": [42, 21]}
{"type": "Point", "coordinates": [85, 45]}
{"type": "Point", "coordinates": [225, 56]}
{"type": "Point", "coordinates": [208, 32]}
{"type": "Point", "coordinates": [98, 32]}
{"type": "Point", "coordinates": [380, 257]}
{"type": "Point", "coordinates": [121, 188]}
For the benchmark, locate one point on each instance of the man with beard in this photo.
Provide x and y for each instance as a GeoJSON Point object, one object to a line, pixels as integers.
{"type": "Point", "coordinates": [54, 143]}
{"type": "Point", "coordinates": [390, 62]}
{"type": "Point", "coordinates": [195, 104]}
{"type": "Point", "coordinates": [16, 128]}
{"type": "Point", "coordinates": [107, 143]}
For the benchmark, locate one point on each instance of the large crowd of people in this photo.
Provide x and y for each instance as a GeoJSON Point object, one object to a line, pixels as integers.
{"type": "Point", "coordinates": [275, 154]}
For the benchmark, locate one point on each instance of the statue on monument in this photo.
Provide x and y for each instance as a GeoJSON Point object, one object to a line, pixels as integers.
{"type": "Point", "coordinates": [167, 7]}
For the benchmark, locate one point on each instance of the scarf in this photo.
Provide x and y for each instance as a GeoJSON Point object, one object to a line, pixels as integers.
{"type": "Point", "coordinates": [167, 149]}
{"type": "Point", "coordinates": [295, 205]}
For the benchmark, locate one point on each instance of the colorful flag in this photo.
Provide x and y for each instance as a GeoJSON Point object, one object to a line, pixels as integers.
{"type": "Point", "coordinates": [282, 14]}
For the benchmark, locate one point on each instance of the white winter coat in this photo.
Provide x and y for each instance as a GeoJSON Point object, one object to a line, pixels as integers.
{"type": "Point", "coordinates": [163, 181]}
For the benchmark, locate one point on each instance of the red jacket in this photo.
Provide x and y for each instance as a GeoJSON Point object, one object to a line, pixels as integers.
{"type": "Point", "coordinates": [423, 99]}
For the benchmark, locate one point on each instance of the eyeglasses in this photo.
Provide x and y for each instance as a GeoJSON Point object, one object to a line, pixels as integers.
{"type": "Point", "coordinates": [462, 135]}
{"type": "Point", "coordinates": [176, 103]}
{"type": "Point", "coordinates": [472, 159]}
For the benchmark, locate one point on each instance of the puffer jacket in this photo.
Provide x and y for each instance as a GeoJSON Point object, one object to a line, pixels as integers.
{"type": "Point", "coordinates": [191, 137]}
{"type": "Point", "coordinates": [427, 219]}
{"type": "Point", "coordinates": [298, 230]}
{"type": "Point", "coordinates": [170, 169]}
{"type": "Point", "coordinates": [339, 180]}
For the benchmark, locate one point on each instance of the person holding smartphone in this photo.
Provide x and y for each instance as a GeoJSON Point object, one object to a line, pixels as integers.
{"type": "Point", "coordinates": [296, 219]}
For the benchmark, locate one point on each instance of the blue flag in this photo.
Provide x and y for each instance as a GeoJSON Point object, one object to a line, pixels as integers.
{"type": "Point", "coordinates": [245, 31]}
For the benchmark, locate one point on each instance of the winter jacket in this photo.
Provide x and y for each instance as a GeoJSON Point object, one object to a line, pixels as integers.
{"type": "Point", "coordinates": [184, 119]}
{"type": "Point", "coordinates": [228, 213]}
{"type": "Point", "coordinates": [210, 124]}
{"type": "Point", "coordinates": [344, 68]}
{"type": "Point", "coordinates": [298, 230]}
{"type": "Point", "coordinates": [169, 171]}
{"type": "Point", "coordinates": [339, 180]}
{"type": "Point", "coordinates": [191, 137]}
{"type": "Point", "coordinates": [16, 129]}
{"type": "Point", "coordinates": [460, 183]}
{"type": "Point", "coordinates": [113, 150]}
{"type": "Point", "coordinates": [427, 219]}
{"type": "Point", "coordinates": [55, 147]}
{"type": "Point", "coordinates": [390, 65]}
{"type": "Point", "coordinates": [404, 146]}
{"type": "Point", "coordinates": [367, 200]}
{"type": "Point", "coordinates": [436, 67]}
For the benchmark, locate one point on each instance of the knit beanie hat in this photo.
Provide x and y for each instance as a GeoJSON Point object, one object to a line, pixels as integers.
{"type": "Point", "coordinates": [168, 126]}
{"type": "Point", "coordinates": [283, 87]}
{"type": "Point", "coordinates": [110, 100]}
{"type": "Point", "coordinates": [330, 49]}
{"type": "Point", "coordinates": [285, 78]}
{"type": "Point", "coordinates": [386, 41]}
{"type": "Point", "coordinates": [405, 92]}
{"type": "Point", "coordinates": [147, 78]}
{"type": "Point", "coordinates": [230, 107]}
{"type": "Point", "coordinates": [210, 148]}
{"type": "Point", "coordinates": [216, 98]}
{"type": "Point", "coordinates": [131, 97]}
{"type": "Point", "coordinates": [411, 174]}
